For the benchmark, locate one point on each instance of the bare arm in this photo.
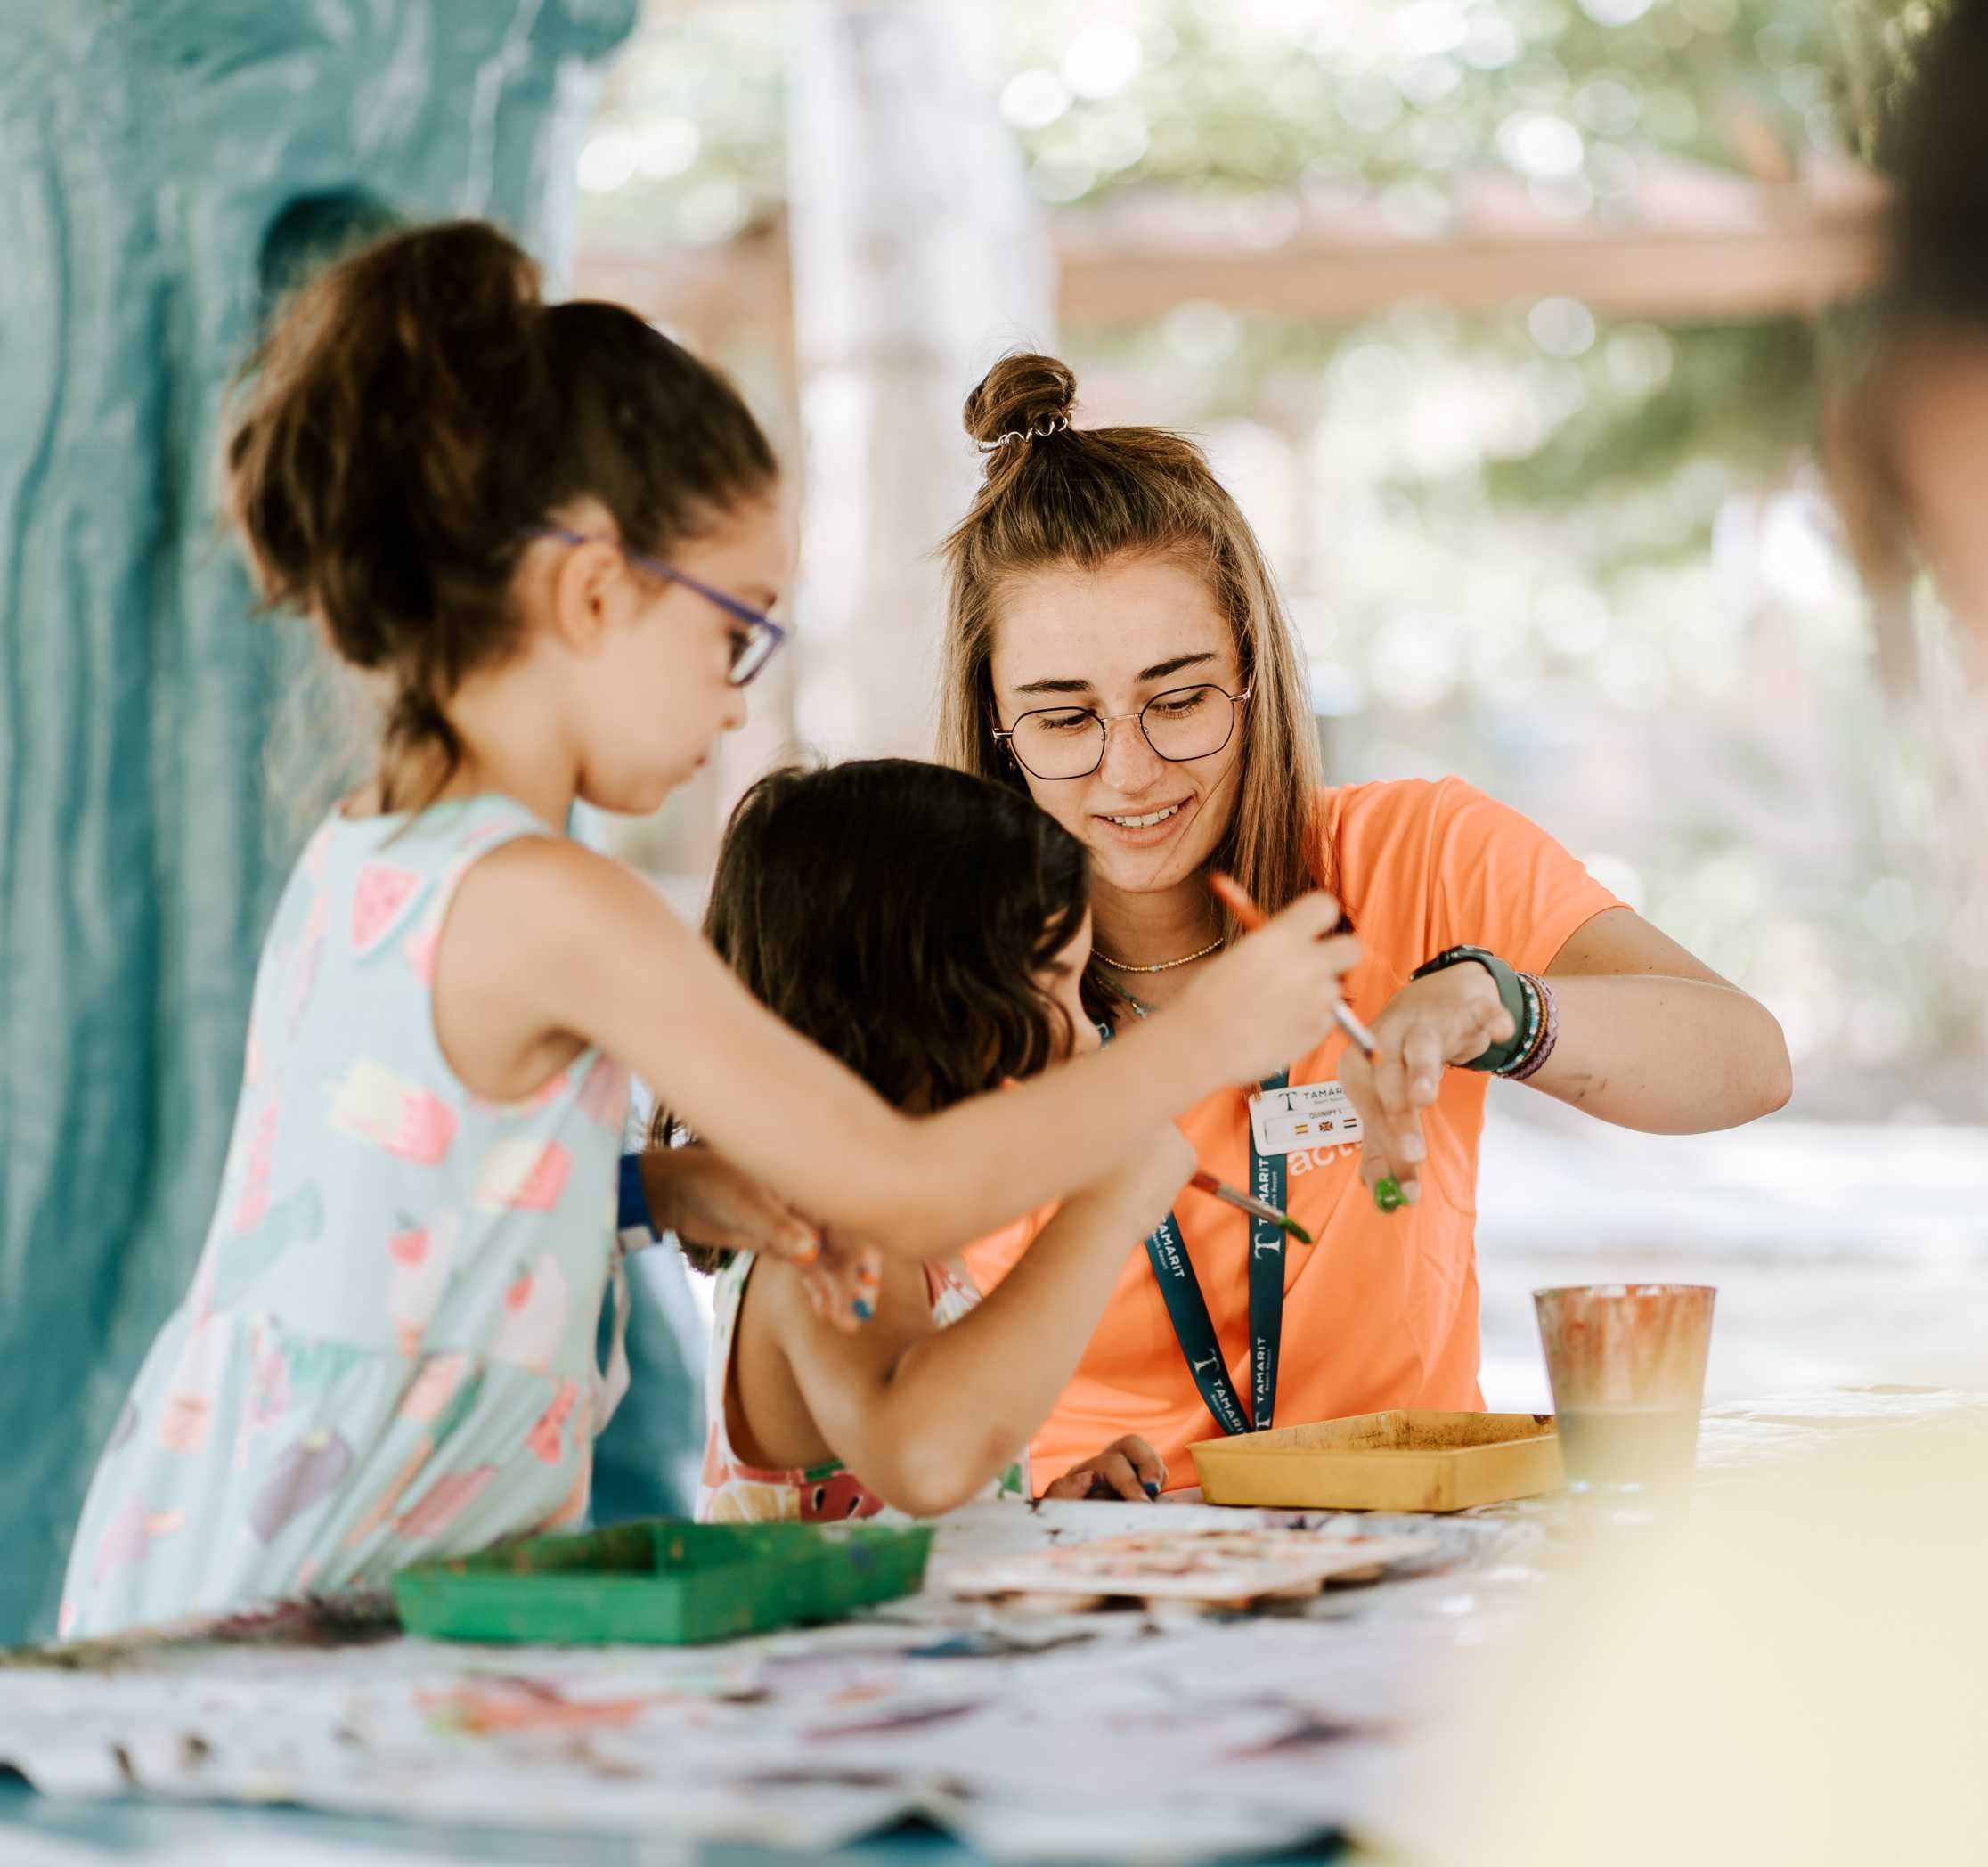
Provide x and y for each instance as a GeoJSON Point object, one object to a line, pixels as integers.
{"type": "Point", "coordinates": [709, 1204]}
{"type": "Point", "coordinates": [927, 1418]}
{"type": "Point", "coordinates": [1649, 1038]}
{"type": "Point", "coordinates": [546, 940]}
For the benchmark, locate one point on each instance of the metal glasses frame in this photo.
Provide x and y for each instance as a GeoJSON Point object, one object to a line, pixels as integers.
{"type": "Point", "coordinates": [1005, 735]}
{"type": "Point", "coordinates": [753, 646]}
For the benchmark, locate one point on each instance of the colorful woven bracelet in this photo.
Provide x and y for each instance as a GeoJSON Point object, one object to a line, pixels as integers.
{"type": "Point", "coordinates": [1535, 1060]}
{"type": "Point", "coordinates": [1532, 1023]}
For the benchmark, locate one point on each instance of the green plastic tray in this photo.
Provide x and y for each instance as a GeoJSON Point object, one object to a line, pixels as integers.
{"type": "Point", "coordinates": [663, 1582]}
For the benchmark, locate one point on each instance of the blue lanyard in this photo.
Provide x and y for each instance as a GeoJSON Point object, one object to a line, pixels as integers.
{"type": "Point", "coordinates": [1187, 1309]}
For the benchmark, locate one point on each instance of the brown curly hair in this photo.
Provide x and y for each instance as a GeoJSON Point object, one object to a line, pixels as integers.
{"type": "Point", "coordinates": [414, 408]}
{"type": "Point", "coordinates": [898, 914]}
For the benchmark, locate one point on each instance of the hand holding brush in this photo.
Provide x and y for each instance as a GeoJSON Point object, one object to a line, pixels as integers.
{"type": "Point", "coordinates": [1231, 893]}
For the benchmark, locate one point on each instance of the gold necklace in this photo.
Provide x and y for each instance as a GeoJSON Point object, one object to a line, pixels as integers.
{"type": "Point", "coordinates": [1165, 965]}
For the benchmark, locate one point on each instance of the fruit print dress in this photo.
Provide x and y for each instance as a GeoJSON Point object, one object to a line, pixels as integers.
{"type": "Point", "coordinates": [732, 1491]}
{"type": "Point", "coordinates": [388, 1348]}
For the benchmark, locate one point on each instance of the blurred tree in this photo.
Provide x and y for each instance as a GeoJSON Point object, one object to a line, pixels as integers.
{"type": "Point", "coordinates": [1588, 561]}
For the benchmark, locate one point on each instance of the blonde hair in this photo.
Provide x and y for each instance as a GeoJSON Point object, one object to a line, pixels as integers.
{"type": "Point", "coordinates": [1057, 496]}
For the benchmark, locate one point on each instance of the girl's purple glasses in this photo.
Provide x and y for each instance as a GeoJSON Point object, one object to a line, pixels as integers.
{"type": "Point", "coordinates": [753, 641]}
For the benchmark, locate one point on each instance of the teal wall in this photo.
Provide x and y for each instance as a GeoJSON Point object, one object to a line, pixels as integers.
{"type": "Point", "coordinates": [165, 166]}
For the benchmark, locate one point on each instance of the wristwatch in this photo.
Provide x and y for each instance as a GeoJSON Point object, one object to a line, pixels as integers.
{"type": "Point", "coordinates": [1512, 995]}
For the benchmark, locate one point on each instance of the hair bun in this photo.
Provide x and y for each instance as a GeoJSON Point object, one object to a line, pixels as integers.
{"type": "Point", "coordinates": [1020, 394]}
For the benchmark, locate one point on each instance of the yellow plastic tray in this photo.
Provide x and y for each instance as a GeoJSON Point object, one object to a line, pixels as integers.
{"type": "Point", "coordinates": [1397, 1461]}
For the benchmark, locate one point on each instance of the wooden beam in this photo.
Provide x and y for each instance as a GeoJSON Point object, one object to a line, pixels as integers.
{"type": "Point", "coordinates": [1791, 264]}
{"type": "Point", "coordinates": [1715, 275]}
{"type": "Point", "coordinates": [709, 297]}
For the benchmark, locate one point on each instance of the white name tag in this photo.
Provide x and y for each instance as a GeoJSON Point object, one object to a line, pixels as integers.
{"type": "Point", "coordinates": [1312, 1115]}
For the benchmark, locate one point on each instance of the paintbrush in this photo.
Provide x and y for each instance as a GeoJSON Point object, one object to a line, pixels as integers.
{"type": "Point", "coordinates": [1249, 1202]}
{"type": "Point", "coordinates": [1235, 897]}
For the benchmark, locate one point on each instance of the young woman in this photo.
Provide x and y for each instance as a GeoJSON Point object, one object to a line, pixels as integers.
{"type": "Point", "coordinates": [1116, 648]}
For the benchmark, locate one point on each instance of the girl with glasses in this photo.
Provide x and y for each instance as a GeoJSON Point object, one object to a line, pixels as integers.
{"type": "Point", "coordinates": [550, 536]}
{"type": "Point", "coordinates": [1116, 649]}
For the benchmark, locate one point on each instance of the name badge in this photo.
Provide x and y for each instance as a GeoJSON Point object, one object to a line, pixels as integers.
{"type": "Point", "coordinates": [1311, 1114]}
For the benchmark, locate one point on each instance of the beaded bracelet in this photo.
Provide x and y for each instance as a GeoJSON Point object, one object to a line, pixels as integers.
{"type": "Point", "coordinates": [1530, 1025]}
{"type": "Point", "coordinates": [1535, 1059]}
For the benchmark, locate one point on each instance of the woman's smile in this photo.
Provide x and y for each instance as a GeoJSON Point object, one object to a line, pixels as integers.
{"type": "Point", "coordinates": [1146, 828]}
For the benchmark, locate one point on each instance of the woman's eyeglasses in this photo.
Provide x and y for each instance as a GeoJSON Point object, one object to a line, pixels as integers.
{"type": "Point", "coordinates": [1181, 724]}
{"type": "Point", "coordinates": [754, 639]}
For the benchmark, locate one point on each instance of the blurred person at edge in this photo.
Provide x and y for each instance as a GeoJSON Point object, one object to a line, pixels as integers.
{"type": "Point", "coordinates": [1910, 435]}
{"type": "Point", "coordinates": [1798, 1672]}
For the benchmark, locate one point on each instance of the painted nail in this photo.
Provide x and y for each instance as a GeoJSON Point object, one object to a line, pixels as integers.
{"type": "Point", "coordinates": [1151, 1489]}
{"type": "Point", "coordinates": [864, 1308]}
{"type": "Point", "coordinates": [869, 1274]}
{"type": "Point", "coordinates": [1386, 1194]}
{"type": "Point", "coordinates": [810, 1250]}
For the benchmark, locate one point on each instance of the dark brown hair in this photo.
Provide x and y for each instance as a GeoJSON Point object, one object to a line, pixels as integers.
{"type": "Point", "coordinates": [415, 407]}
{"type": "Point", "coordinates": [1057, 496]}
{"type": "Point", "coordinates": [897, 914]}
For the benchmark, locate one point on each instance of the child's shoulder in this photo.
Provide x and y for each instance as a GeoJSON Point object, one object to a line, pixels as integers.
{"type": "Point", "coordinates": [375, 874]}
{"type": "Point", "coordinates": [347, 840]}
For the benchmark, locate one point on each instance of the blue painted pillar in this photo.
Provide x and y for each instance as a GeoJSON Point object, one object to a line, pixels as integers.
{"type": "Point", "coordinates": [165, 166]}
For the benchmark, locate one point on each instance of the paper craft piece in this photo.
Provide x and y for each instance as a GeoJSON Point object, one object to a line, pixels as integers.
{"type": "Point", "coordinates": [1229, 1566]}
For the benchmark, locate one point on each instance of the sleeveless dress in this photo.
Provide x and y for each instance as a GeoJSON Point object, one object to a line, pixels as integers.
{"type": "Point", "coordinates": [388, 1350]}
{"type": "Point", "coordinates": [734, 1492]}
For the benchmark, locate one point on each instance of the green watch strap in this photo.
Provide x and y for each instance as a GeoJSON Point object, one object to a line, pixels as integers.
{"type": "Point", "coordinates": [1512, 995]}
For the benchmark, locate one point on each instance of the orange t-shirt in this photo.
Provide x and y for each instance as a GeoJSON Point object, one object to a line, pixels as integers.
{"type": "Point", "coordinates": [1382, 1310]}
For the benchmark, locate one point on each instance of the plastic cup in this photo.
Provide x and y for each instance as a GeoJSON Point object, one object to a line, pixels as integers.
{"type": "Point", "coordinates": [1626, 1362]}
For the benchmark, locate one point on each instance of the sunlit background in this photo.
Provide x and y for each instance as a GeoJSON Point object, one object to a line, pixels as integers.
{"type": "Point", "coordinates": [1505, 323]}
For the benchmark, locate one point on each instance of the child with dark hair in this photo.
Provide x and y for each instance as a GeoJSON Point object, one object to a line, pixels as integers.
{"type": "Point", "coordinates": [552, 537]}
{"type": "Point", "coordinates": [931, 930]}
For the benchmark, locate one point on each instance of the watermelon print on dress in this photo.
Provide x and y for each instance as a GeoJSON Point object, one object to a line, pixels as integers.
{"type": "Point", "coordinates": [380, 903]}
{"type": "Point", "coordinates": [388, 1350]}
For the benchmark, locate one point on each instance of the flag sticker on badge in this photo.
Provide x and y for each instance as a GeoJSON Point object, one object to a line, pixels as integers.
{"type": "Point", "coordinates": [1282, 1121]}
